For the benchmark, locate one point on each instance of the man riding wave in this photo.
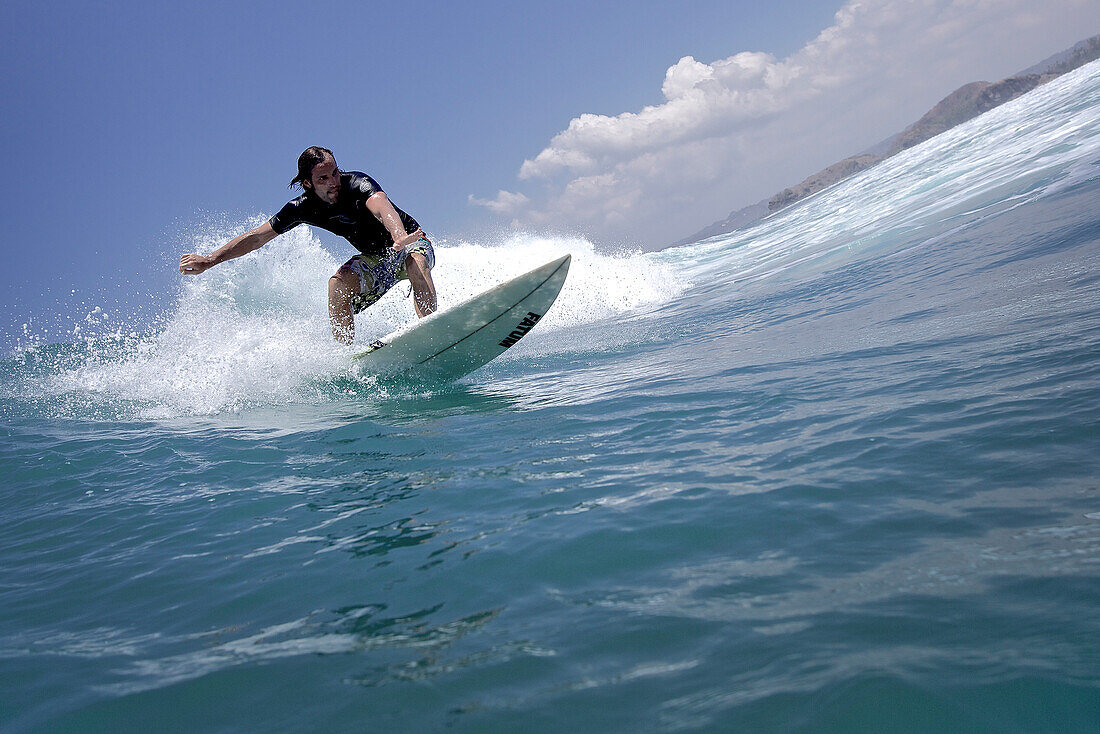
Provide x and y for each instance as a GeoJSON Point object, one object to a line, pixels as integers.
{"type": "Point", "coordinates": [391, 244]}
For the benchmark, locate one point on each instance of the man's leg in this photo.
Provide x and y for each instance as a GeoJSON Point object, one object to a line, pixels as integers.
{"type": "Point", "coordinates": [420, 276]}
{"type": "Point", "coordinates": [342, 287]}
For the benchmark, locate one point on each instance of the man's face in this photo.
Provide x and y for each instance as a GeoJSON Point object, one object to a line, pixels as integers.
{"type": "Point", "coordinates": [325, 180]}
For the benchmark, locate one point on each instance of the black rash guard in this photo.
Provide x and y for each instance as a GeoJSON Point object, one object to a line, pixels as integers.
{"type": "Point", "coordinates": [348, 217]}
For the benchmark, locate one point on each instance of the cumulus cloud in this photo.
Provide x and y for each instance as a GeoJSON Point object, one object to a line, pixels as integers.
{"type": "Point", "coordinates": [702, 100]}
{"type": "Point", "coordinates": [735, 130]}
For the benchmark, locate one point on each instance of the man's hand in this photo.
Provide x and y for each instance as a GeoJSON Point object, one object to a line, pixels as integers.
{"type": "Point", "coordinates": [192, 264]}
{"type": "Point", "coordinates": [253, 239]}
{"type": "Point", "coordinates": [401, 243]}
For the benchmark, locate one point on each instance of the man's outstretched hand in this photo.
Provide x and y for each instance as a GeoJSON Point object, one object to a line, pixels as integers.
{"type": "Point", "coordinates": [192, 264]}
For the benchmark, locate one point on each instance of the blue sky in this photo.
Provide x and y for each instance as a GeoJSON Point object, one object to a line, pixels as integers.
{"type": "Point", "coordinates": [127, 125]}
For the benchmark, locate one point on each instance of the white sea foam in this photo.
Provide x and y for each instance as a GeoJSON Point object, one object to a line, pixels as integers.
{"type": "Point", "coordinates": [254, 331]}
{"type": "Point", "coordinates": [599, 286]}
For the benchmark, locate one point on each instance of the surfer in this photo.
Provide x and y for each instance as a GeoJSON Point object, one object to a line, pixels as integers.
{"type": "Point", "coordinates": [391, 244]}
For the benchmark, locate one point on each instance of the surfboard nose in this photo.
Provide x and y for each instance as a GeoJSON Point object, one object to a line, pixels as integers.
{"type": "Point", "coordinates": [554, 265]}
{"type": "Point", "coordinates": [553, 272]}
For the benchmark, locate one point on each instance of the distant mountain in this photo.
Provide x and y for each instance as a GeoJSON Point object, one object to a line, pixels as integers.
{"type": "Point", "coordinates": [965, 103]}
{"type": "Point", "coordinates": [1082, 53]}
{"type": "Point", "coordinates": [736, 220]}
{"type": "Point", "coordinates": [822, 179]}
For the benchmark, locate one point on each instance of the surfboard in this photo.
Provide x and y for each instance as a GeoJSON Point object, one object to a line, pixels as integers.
{"type": "Point", "coordinates": [456, 341]}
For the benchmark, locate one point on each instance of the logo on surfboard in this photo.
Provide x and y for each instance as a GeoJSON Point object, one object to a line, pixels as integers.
{"type": "Point", "coordinates": [522, 328]}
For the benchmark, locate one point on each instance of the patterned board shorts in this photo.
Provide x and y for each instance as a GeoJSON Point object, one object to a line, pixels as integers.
{"type": "Point", "coordinates": [378, 273]}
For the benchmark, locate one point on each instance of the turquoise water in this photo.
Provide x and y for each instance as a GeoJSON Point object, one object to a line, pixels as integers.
{"type": "Point", "coordinates": [835, 473]}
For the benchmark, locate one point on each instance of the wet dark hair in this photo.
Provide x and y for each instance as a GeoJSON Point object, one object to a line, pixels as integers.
{"type": "Point", "coordinates": [309, 158]}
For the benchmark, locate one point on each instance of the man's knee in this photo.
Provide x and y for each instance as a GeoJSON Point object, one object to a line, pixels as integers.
{"type": "Point", "coordinates": [343, 283]}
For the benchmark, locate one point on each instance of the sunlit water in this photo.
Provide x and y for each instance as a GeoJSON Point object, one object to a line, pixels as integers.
{"type": "Point", "coordinates": [835, 473]}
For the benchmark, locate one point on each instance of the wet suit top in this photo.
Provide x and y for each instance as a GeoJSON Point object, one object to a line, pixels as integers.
{"type": "Point", "coordinates": [348, 217]}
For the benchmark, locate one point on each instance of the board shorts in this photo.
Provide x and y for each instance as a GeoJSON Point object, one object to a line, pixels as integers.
{"type": "Point", "coordinates": [378, 273]}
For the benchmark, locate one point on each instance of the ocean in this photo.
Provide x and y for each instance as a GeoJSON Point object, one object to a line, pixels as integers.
{"type": "Point", "coordinates": [839, 472]}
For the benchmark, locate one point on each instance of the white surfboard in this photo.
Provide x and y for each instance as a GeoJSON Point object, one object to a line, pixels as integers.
{"type": "Point", "coordinates": [449, 344]}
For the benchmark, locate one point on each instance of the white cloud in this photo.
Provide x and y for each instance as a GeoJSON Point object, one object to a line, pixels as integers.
{"type": "Point", "coordinates": [741, 128]}
{"type": "Point", "coordinates": [703, 100]}
{"type": "Point", "coordinates": [506, 202]}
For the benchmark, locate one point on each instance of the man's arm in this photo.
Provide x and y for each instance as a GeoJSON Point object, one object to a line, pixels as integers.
{"type": "Point", "coordinates": [379, 205]}
{"type": "Point", "coordinates": [254, 239]}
